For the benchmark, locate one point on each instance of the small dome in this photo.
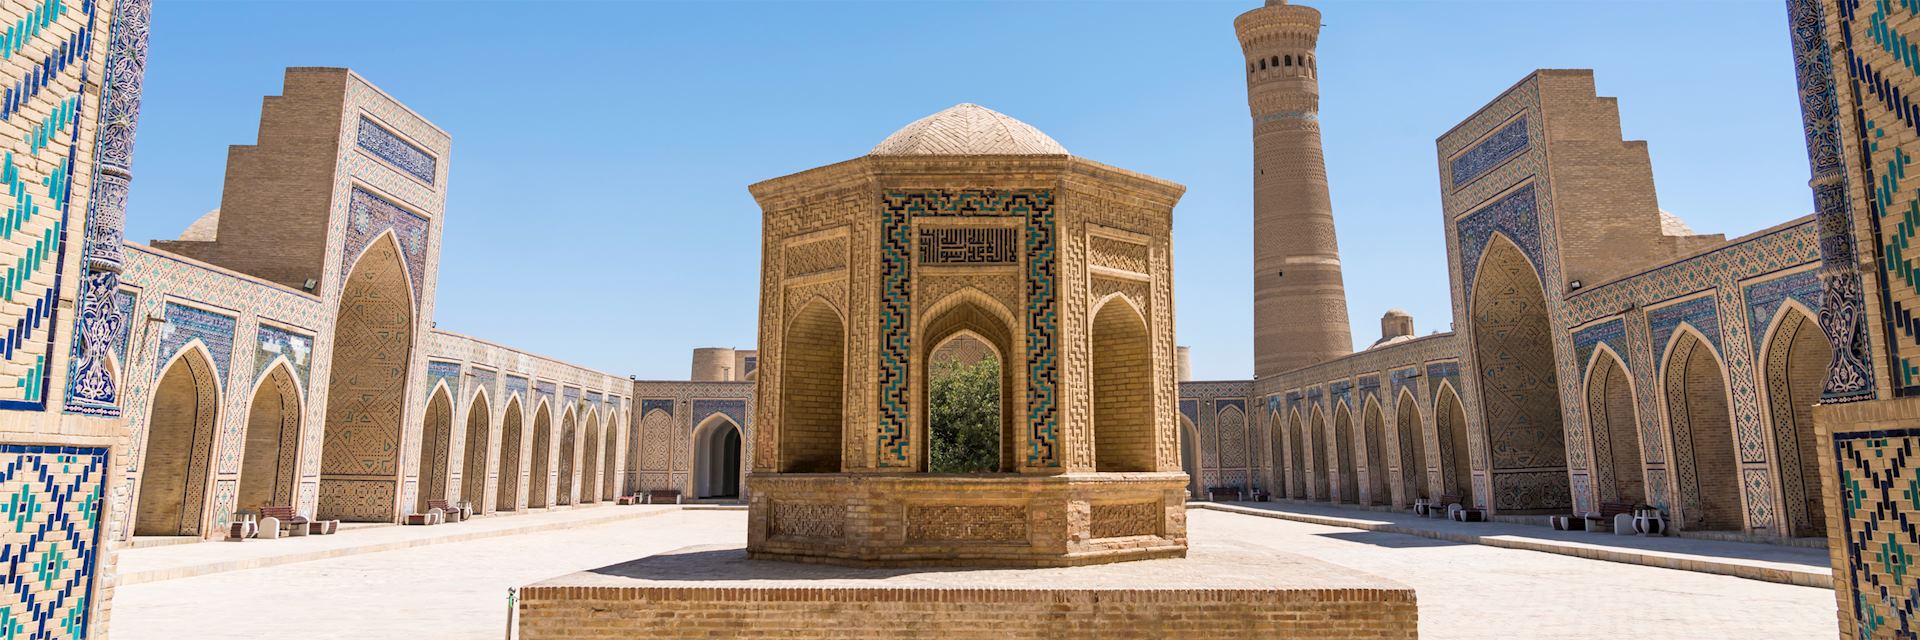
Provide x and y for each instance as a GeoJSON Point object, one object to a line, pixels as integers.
{"type": "Point", "coordinates": [1672, 225]}
{"type": "Point", "coordinates": [1400, 313]}
{"type": "Point", "coordinates": [968, 129]}
{"type": "Point", "coordinates": [204, 229]}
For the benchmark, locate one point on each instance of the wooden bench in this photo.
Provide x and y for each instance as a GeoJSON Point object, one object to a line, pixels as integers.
{"type": "Point", "coordinates": [633, 499]}
{"type": "Point", "coordinates": [1607, 513]}
{"type": "Point", "coordinates": [454, 513]}
{"type": "Point", "coordinates": [663, 496]}
{"type": "Point", "coordinates": [292, 523]}
{"type": "Point", "coordinates": [1214, 493]}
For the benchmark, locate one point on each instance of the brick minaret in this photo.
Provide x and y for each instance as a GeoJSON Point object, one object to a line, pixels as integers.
{"type": "Point", "coordinates": [1299, 300]}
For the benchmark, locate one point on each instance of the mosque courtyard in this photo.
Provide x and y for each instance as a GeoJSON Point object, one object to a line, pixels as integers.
{"type": "Point", "coordinates": [459, 589]}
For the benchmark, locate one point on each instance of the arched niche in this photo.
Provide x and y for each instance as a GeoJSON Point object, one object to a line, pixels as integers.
{"type": "Point", "coordinates": [176, 468]}
{"type": "Point", "coordinates": [812, 390]}
{"type": "Point", "coordinates": [1123, 393]}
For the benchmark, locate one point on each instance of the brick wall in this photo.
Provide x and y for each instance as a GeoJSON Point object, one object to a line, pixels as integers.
{"type": "Point", "coordinates": [810, 437]}
{"type": "Point", "coordinates": [578, 613]}
{"type": "Point", "coordinates": [1123, 418]}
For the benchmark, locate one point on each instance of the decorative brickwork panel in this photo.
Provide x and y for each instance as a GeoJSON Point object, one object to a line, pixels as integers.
{"type": "Point", "coordinates": [50, 513]}
{"type": "Point", "coordinates": [809, 520]}
{"type": "Point", "coordinates": [385, 145]}
{"type": "Point", "coordinates": [1130, 519]}
{"type": "Point", "coordinates": [1117, 254]}
{"type": "Point", "coordinates": [971, 523]}
{"type": "Point", "coordinates": [1879, 494]}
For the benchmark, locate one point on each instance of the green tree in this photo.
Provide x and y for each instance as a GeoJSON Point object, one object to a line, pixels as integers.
{"type": "Point", "coordinates": [963, 405]}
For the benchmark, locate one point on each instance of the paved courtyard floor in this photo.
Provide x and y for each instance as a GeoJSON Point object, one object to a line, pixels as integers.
{"type": "Point", "coordinates": [458, 589]}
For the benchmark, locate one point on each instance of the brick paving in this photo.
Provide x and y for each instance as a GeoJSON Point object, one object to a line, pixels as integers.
{"type": "Point", "coordinates": [458, 589]}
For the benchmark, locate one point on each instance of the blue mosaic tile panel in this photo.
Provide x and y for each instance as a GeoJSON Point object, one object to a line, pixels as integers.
{"type": "Point", "coordinates": [1612, 333]}
{"type": "Point", "coordinates": [37, 170]}
{"type": "Point", "coordinates": [448, 372]}
{"type": "Point", "coordinates": [545, 390]}
{"type": "Point", "coordinates": [1764, 300]}
{"type": "Point", "coordinates": [1514, 216]}
{"type": "Point", "coordinates": [1402, 379]}
{"type": "Point", "coordinates": [515, 386]}
{"type": "Point", "coordinates": [1504, 144]}
{"type": "Point", "coordinates": [50, 512]}
{"type": "Point", "coordinates": [273, 342]}
{"type": "Point", "coordinates": [1191, 409]}
{"type": "Point", "coordinates": [734, 409]}
{"type": "Point", "coordinates": [569, 396]}
{"type": "Point", "coordinates": [899, 210]}
{"type": "Point", "coordinates": [186, 324]}
{"type": "Point", "coordinates": [1341, 392]}
{"type": "Point", "coordinates": [1880, 509]}
{"type": "Point", "coordinates": [1699, 312]}
{"type": "Point", "coordinates": [368, 216]}
{"type": "Point", "coordinates": [383, 144]}
{"type": "Point", "coordinates": [98, 394]}
{"type": "Point", "coordinates": [1439, 372]}
{"type": "Point", "coordinates": [651, 405]}
{"type": "Point", "coordinates": [483, 379]}
{"type": "Point", "coordinates": [1367, 386]}
{"type": "Point", "coordinates": [1293, 400]}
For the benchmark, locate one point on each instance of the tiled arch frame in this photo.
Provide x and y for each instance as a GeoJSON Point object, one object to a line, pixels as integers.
{"type": "Point", "coordinates": [1679, 431]}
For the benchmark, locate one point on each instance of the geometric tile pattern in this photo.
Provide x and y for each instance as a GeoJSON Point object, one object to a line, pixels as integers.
{"type": "Point", "coordinates": [46, 102]}
{"type": "Point", "coordinates": [437, 372]}
{"type": "Point", "coordinates": [1876, 42]}
{"type": "Point", "coordinates": [1698, 312]}
{"type": "Point", "coordinates": [51, 505]}
{"type": "Point", "coordinates": [1513, 216]}
{"type": "Point", "coordinates": [1879, 484]}
{"type": "Point", "coordinates": [899, 210]}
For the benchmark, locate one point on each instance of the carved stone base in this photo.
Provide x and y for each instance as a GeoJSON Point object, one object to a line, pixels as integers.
{"type": "Point", "coordinates": [910, 520]}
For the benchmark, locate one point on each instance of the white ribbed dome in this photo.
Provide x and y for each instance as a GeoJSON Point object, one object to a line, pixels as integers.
{"type": "Point", "coordinates": [968, 129]}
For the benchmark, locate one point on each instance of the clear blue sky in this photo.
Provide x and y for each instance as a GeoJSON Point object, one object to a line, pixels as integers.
{"type": "Point", "coordinates": [598, 210]}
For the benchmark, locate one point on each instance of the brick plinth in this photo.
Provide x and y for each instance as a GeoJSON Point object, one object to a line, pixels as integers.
{"type": "Point", "coordinates": [1220, 591]}
{"type": "Point", "coordinates": [891, 519]}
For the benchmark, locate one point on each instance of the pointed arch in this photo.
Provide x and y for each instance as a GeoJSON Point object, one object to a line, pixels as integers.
{"type": "Point", "coordinates": [540, 470]}
{"type": "Point", "coordinates": [1190, 456]}
{"type": "Point", "coordinates": [717, 450]}
{"type": "Point", "coordinates": [1517, 377]}
{"type": "Point", "coordinates": [1793, 368]}
{"type": "Point", "coordinates": [176, 468]}
{"type": "Point", "coordinates": [1373, 431]}
{"type": "Point", "coordinates": [436, 448]}
{"type": "Point", "coordinates": [973, 311]}
{"type": "Point", "coordinates": [1296, 457]}
{"type": "Point", "coordinates": [609, 452]}
{"type": "Point", "coordinates": [506, 493]}
{"type": "Point", "coordinates": [1276, 451]}
{"type": "Point", "coordinates": [1317, 449]}
{"type": "Point", "coordinates": [813, 356]}
{"type": "Point", "coordinates": [367, 392]}
{"type": "Point", "coordinates": [270, 458]}
{"type": "Point", "coordinates": [590, 459]}
{"type": "Point", "coordinates": [1346, 464]}
{"type": "Point", "coordinates": [1123, 389]}
{"type": "Point", "coordinates": [1613, 423]}
{"type": "Point", "coordinates": [475, 450]}
{"type": "Point", "coordinates": [564, 494]}
{"type": "Point", "coordinates": [1698, 422]}
{"type": "Point", "coordinates": [1413, 447]}
{"type": "Point", "coordinates": [1456, 454]}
